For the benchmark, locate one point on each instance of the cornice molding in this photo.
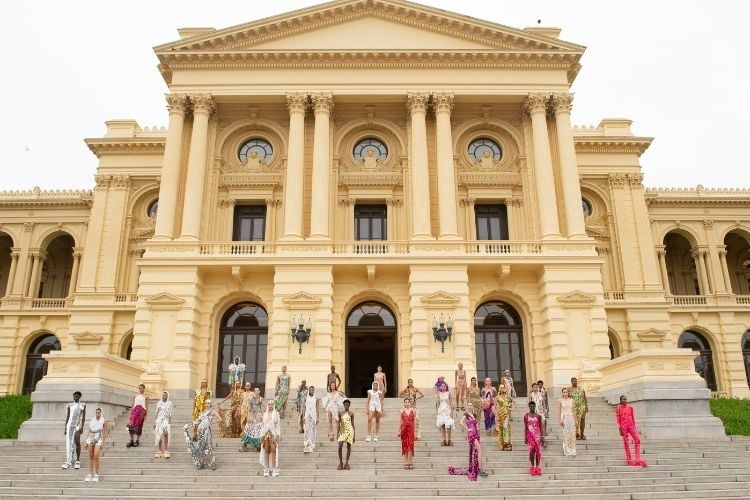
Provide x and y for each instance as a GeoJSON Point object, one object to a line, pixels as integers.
{"type": "Point", "coordinates": [128, 146]}
{"type": "Point", "coordinates": [635, 145]}
{"type": "Point", "coordinates": [39, 197]}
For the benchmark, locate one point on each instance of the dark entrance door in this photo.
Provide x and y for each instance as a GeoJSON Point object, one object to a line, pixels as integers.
{"type": "Point", "coordinates": [370, 341]}
{"type": "Point", "coordinates": [498, 336]}
{"type": "Point", "coordinates": [243, 333]}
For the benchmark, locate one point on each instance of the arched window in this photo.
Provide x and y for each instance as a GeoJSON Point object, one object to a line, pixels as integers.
{"type": "Point", "coordinates": [498, 333]}
{"type": "Point", "coordinates": [372, 147]}
{"type": "Point", "coordinates": [746, 354]}
{"type": "Point", "coordinates": [615, 351]}
{"type": "Point", "coordinates": [243, 332]}
{"type": "Point", "coordinates": [704, 363]}
{"type": "Point", "coordinates": [371, 314]}
{"type": "Point", "coordinates": [484, 147]}
{"type": "Point", "coordinates": [36, 365]}
{"type": "Point", "coordinates": [126, 349]}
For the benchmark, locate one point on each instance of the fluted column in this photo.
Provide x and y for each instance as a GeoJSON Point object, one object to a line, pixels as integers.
{"type": "Point", "coordinates": [170, 171]}
{"type": "Point", "coordinates": [74, 272]}
{"type": "Point", "coordinates": [293, 185]}
{"type": "Point", "coordinates": [536, 106]}
{"type": "Point", "coordinates": [569, 179]}
{"type": "Point", "coordinates": [36, 273]}
{"type": "Point", "coordinates": [446, 176]}
{"type": "Point", "coordinates": [321, 168]}
{"type": "Point", "coordinates": [192, 209]}
{"type": "Point", "coordinates": [14, 254]}
{"type": "Point", "coordinates": [420, 175]}
{"type": "Point", "coordinates": [725, 270]}
{"type": "Point", "coordinates": [662, 253]}
{"type": "Point", "coordinates": [700, 265]}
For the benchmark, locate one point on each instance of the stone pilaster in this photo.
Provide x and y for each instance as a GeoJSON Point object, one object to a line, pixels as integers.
{"type": "Point", "coordinates": [295, 168]}
{"type": "Point", "coordinates": [420, 186]}
{"type": "Point", "coordinates": [446, 177]}
{"type": "Point", "coordinates": [321, 167]}
{"type": "Point", "coordinates": [195, 186]}
{"type": "Point", "coordinates": [170, 172]}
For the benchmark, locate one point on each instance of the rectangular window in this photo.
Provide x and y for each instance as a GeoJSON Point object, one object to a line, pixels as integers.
{"type": "Point", "coordinates": [249, 223]}
{"type": "Point", "coordinates": [492, 221]}
{"type": "Point", "coordinates": [370, 222]}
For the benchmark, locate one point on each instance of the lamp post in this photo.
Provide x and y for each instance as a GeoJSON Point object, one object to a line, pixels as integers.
{"type": "Point", "coordinates": [442, 329]}
{"type": "Point", "coordinates": [300, 330]}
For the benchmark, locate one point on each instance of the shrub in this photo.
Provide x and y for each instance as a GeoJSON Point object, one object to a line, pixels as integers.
{"type": "Point", "coordinates": [14, 410]}
{"type": "Point", "coordinates": [734, 414]}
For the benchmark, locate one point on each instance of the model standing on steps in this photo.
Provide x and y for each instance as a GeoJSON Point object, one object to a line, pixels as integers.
{"type": "Point", "coordinates": [201, 396]}
{"type": "Point", "coordinates": [199, 437]}
{"type": "Point", "coordinates": [470, 425]}
{"type": "Point", "coordinates": [626, 423]}
{"type": "Point", "coordinates": [407, 433]}
{"type": "Point", "coordinates": [413, 393]}
{"type": "Point", "coordinates": [379, 377]}
{"type": "Point", "coordinates": [137, 416]}
{"type": "Point", "coordinates": [503, 407]}
{"type": "Point", "coordinates": [346, 434]}
{"type": "Point", "coordinates": [532, 423]}
{"type": "Point", "coordinates": [544, 409]}
{"type": "Point", "coordinates": [247, 394]}
{"type": "Point", "coordinates": [580, 407]}
{"type": "Point", "coordinates": [299, 402]}
{"type": "Point", "coordinates": [474, 397]}
{"type": "Point", "coordinates": [230, 417]}
{"type": "Point", "coordinates": [374, 411]}
{"type": "Point", "coordinates": [444, 419]}
{"type": "Point", "coordinates": [283, 383]}
{"type": "Point", "coordinates": [74, 420]}
{"type": "Point", "coordinates": [488, 402]}
{"type": "Point", "coordinates": [333, 402]}
{"type": "Point", "coordinates": [310, 414]}
{"type": "Point", "coordinates": [539, 400]}
{"type": "Point", "coordinates": [461, 389]}
{"type": "Point", "coordinates": [251, 432]}
{"type": "Point", "coordinates": [567, 422]}
{"type": "Point", "coordinates": [333, 378]}
{"type": "Point", "coordinates": [163, 425]}
{"type": "Point", "coordinates": [94, 440]}
{"type": "Point", "coordinates": [271, 432]}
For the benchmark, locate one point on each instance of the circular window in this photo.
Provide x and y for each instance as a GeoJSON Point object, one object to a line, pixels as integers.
{"type": "Point", "coordinates": [586, 206]}
{"type": "Point", "coordinates": [370, 147]}
{"type": "Point", "coordinates": [484, 148]}
{"type": "Point", "coordinates": [255, 148]}
{"type": "Point", "coordinates": [153, 208]}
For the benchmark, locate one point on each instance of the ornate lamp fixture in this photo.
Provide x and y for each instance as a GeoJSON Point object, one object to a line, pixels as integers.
{"type": "Point", "coordinates": [300, 330]}
{"type": "Point", "coordinates": [442, 329]}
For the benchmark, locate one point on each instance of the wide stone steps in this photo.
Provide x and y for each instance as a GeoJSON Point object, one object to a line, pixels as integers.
{"type": "Point", "coordinates": [677, 469]}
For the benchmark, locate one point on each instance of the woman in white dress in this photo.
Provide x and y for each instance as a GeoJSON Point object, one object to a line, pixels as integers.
{"type": "Point", "coordinates": [310, 411]}
{"type": "Point", "coordinates": [163, 425]}
{"type": "Point", "coordinates": [444, 414]}
{"type": "Point", "coordinates": [567, 422]}
{"type": "Point", "coordinates": [374, 410]}
{"type": "Point", "coordinates": [271, 436]}
{"type": "Point", "coordinates": [333, 402]}
{"type": "Point", "coordinates": [94, 440]}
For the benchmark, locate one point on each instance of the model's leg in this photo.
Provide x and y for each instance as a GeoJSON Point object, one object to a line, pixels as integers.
{"type": "Point", "coordinates": [448, 432]}
{"type": "Point", "coordinates": [97, 452]}
{"type": "Point", "coordinates": [626, 445]}
{"type": "Point", "coordinates": [369, 425]}
{"type": "Point", "coordinates": [91, 459]}
{"type": "Point", "coordinates": [583, 425]}
{"type": "Point", "coordinates": [341, 460]}
{"type": "Point", "coordinates": [442, 433]}
{"type": "Point", "coordinates": [377, 424]}
{"type": "Point", "coordinates": [348, 454]}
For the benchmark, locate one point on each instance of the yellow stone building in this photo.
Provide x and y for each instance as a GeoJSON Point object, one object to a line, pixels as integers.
{"type": "Point", "coordinates": [365, 168]}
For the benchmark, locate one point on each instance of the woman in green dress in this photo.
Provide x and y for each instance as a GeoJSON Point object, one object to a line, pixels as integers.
{"type": "Point", "coordinates": [283, 382]}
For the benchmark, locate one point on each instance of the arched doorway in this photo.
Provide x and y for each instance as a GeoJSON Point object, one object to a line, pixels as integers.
{"type": "Point", "coordinates": [615, 351]}
{"type": "Point", "coordinates": [57, 268]}
{"type": "Point", "coordinates": [746, 354]}
{"type": "Point", "coordinates": [126, 347]}
{"type": "Point", "coordinates": [498, 334]}
{"type": "Point", "coordinates": [704, 363]}
{"type": "Point", "coordinates": [370, 341]}
{"type": "Point", "coordinates": [36, 365]}
{"type": "Point", "coordinates": [6, 243]}
{"type": "Point", "coordinates": [243, 332]}
{"type": "Point", "coordinates": [738, 262]}
{"type": "Point", "coordinates": [681, 268]}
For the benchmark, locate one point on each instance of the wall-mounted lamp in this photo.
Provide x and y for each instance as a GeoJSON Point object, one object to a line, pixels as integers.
{"type": "Point", "coordinates": [300, 330]}
{"type": "Point", "coordinates": [442, 329]}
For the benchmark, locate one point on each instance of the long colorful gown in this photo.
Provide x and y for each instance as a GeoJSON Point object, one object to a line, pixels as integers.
{"type": "Point", "coordinates": [472, 436]}
{"type": "Point", "coordinates": [407, 431]}
{"type": "Point", "coordinates": [73, 426]}
{"type": "Point", "coordinates": [488, 400]}
{"type": "Point", "coordinates": [199, 403]}
{"type": "Point", "coordinates": [231, 427]}
{"type": "Point", "coordinates": [578, 395]}
{"type": "Point", "coordinates": [251, 433]}
{"type": "Point", "coordinates": [270, 432]}
{"type": "Point", "coordinates": [475, 398]}
{"type": "Point", "coordinates": [302, 393]}
{"type": "Point", "coordinates": [310, 423]}
{"type": "Point", "coordinates": [568, 427]}
{"type": "Point", "coordinates": [164, 411]}
{"type": "Point", "coordinates": [346, 429]}
{"type": "Point", "coordinates": [201, 450]}
{"type": "Point", "coordinates": [282, 390]}
{"type": "Point", "coordinates": [137, 415]}
{"type": "Point", "coordinates": [504, 406]}
{"type": "Point", "coordinates": [412, 395]}
{"type": "Point", "coordinates": [533, 430]}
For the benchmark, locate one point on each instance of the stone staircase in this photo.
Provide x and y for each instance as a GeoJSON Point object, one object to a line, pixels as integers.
{"type": "Point", "coordinates": [699, 469]}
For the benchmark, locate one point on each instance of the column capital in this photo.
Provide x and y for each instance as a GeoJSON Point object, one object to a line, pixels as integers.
{"type": "Point", "coordinates": [296, 103]}
{"type": "Point", "coordinates": [202, 103]}
{"type": "Point", "coordinates": [271, 203]}
{"type": "Point", "coordinates": [661, 250]}
{"type": "Point", "coordinates": [708, 223]}
{"type": "Point", "coordinates": [15, 253]}
{"type": "Point", "coordinates": [635, 180]}
{"type": "Point", "coordinates": [102, 180]}
{"type": "Point", "coordinates": [698, 253]}
{"type": "Point", "coordinates": [561, 102]}
{"type": "Point", "coordinates": [417, 102]}
{"type": "Point", "coordinates": [396, 202]}
{"type": "Point", "coordinates": [536, 103]}
{"type": "Point", "coordinates": [120, 181]}
{"type": "Point", "coordinates": [442, 103]}
{"type": "Point", "coordinates": [322, 103]}
{"type": "Point", "coordinates": [722, 250]}
{"type": "Point", "coordinates": [617, 180]}
{"type": "Point", "coordinates": [28, 226]}
{"type": "Point", "coordinates": [176, 103]}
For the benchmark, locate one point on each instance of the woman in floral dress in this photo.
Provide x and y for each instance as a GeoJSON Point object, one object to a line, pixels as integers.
{"type": "Point", "coordinates": [475, 397]}
{"type": "Point", "coordinates": [567, 422]}
{"type": "Point", "coordinates": [503, 407]}
{"type": "Point", "coordinates": [488, 402]}
{"type": "Point", "coordinates": [471, 425]}
{"type": "Point", "coordinates": [162, 425]}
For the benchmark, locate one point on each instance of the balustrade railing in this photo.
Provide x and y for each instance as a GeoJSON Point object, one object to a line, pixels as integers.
{"type": "Point", "coordinates": [49, 303]}
{"type": "Point", "coordinates": [743, 300]}
{"type": "Point", "coordinates": [614, 296]}
{"type": "Point", "coordinates": [688, 300]}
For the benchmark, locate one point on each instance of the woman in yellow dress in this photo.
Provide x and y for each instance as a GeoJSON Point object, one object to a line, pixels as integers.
{"type": "Point", "coordinates": [201, 396]}
{"type": "Point", "coordinates": [475, 398]}
{"type": "Point", "coordinates": [503, 407]}
{"type": "Point", "coordinates": [346, 434]}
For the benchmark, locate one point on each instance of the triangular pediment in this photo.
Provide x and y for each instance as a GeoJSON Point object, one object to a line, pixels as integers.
{"type": "Point", "coordinates": [576, 297]}
{"type": "Point", "coordinates": [164, 299]}
{"type": "Point", "coordinates": [340, 30]}
{"type": "Point", "coordinates": [301, 300]}
{"type": "Point", "coordinates": [440, 298]}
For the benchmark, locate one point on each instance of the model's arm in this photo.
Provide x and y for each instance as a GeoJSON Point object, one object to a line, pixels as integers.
{"type": "Point", "coordinates": [559, 411]}
{"type": "Point", "coordinates": [67, 417]}
{"type": "Point", "coordinates": [105, 430]}
{"type": "Point", "coordinates": [585, 400]}
{"type": "Point", "coordinates": [402, 393]}
{"type": "Point", "coordinates": [419, 394]}
{"type": "Point", "coordinates": [385, 383]}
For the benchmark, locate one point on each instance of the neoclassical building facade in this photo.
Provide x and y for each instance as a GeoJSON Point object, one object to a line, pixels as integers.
{"type": "Point", "coordinates": [363, 174]}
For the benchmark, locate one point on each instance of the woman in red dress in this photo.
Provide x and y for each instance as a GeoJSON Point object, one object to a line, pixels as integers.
{"type": "Point", "coordinates": [406, 433]}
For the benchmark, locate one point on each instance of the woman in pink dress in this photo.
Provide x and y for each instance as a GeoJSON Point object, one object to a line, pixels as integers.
{"type": "Point", "coordinates": [470, 424]}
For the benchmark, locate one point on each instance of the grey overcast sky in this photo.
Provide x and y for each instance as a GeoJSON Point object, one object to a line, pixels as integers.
{"type": "Point", "coordinates": [678, 69]}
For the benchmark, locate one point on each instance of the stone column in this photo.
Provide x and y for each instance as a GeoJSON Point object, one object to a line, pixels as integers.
{"type": "Point", "coordinates": [321, 168]}
{"type": "Point", "coordinates": [536, 106]}
{"type": "Point", "coordinates": [295, 168]}
{"type": "Point", "coordinates": [446, 177]}
{"type": "Point", "coordinates": [170, 171]}
{"type": "Point", "coordinates": [710, 279]}
{"type": "Point", "coordinates": [725, 269]}
{"type": "Point", "coordinates": [700, 266]}
{"type": "Point", "coordinates": [36, 273]}
{"type": "Point", "coordinates": [420, 175]}
{"type": "Point", "coordinates": [569, 179]}
{"type": "Point", "coordinates": [14, 254]}
{"type": "Point", "coordinates": [192, 209]}
{"type": "Point", "coordinates": [662, 253]}
{"type": "Point", "coordinates": [74, 272]}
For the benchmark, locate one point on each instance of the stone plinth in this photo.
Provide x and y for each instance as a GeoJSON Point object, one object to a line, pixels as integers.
{"type": "Point", "coordinates": [669, 397]}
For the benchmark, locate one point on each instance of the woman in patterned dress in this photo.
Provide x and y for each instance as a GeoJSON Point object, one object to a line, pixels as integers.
{"type": "Point", "coordinates": [503, 407]}
{"type": "Point", "coordinates": [201, 396]}
{"type": "Point", "coordinates": [162, 425]}
{"type": "Point", "coordinates": [251, 432]}
{"type": "Point", "coordinates": [413, 393]}
{"type": "Point", "coordinates": [199, 438]}
{"type": "Point", "coordinates": [271, 436]}
{"type": "Point", "coordinates": [567, 422]}
{"type": "Point", "coordinates": [488, 402]}
{"type": "Point", "coordinates": [407, 434]}
{"type": "Point", "coordinates": [471, 425]}
{"type": "Point", "coordinates": [346, 434]}
{"type": "Point", "coordinates": [283, 383]}
{"type": "Point", "coordinates": [475, 397]}
{"type": "Point", "coordinates": [137, 416]}
{"type": "Point", "coordinates": [333, 402]}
